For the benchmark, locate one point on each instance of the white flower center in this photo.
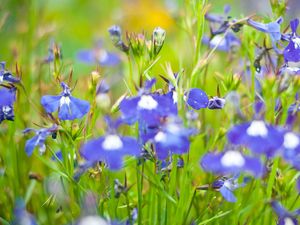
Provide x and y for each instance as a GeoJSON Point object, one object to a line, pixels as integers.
{"type": "Point", "coordinates": [291, 140]}
{"type": "Point", "coordinates": [232, 158]}
{"type": "Point", "coordinates": [257, 128]}
{"type": "Point", "coordinates": [217, 40]}
{"type": "Point", "coordinates": [64, 100]}
{"type": "Point", "coordinates": [1, 78]}
{"type": "Point", "coordinates": [288, 221]}
{"type": "Point", "coordinates": [147, 102]}
{"type": "Point", "coordinates": [6, 109]}
{"type": "Point", "coordinates": [112, 142]}
{"type": "Point", "coordinates": [296, 41]}
{"type": "Point", "coordinates": [175, 97]}
{"type": "Point", "coordinates": [92, 220]}
{"type": "Point", "coordinates": [160, 137]}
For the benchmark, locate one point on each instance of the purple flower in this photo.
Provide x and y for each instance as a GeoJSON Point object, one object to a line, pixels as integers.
{"type": "Point", "coordinates": [69, 108]}
{"type": "Point", "coordinates": [21, 216]}
{"type": "Point", "coordinates": [225, 44]}
{"type": "Point", "coordinates": [216, 103]}
{"type": "Point", "coordinates": [273, 28]}
{"type": "Point", "coordinates": [6, 76]}
{"type": "Point", "coordinates": [98, 55]}
{"type": "Point", "coordinates": [8, 97]}
{"type": "Point", "coordinates": [284, 217]}
{"type": "Point", "coordinates": [292, 51]}
{"type": "Point", "coordinates": [39, 139]}
{"type": "Point", "coordinates": [196, 98]}
{"type": "Point", "coordinates": [231, 162]}
{"type": "Point", "coordinates": [260, 137]}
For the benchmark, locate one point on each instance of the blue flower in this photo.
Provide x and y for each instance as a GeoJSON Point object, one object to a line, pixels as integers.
{"type": "Point", "coordinates": [196, 98]}
{"type": "Point", "coordinates": [292, 51]}
{"type": "Point", "coordinates": [290, 149]}
{"type": "Point", "coordinates": [8, 97]}
{"type": "Point", "coordinates": [98, 55]}
{"type": "Point", "coordinates": [290, 70]}
{"type": "Point", "coordinates": [21, 216]}
{"type": "Point", "coordinates": [216, 103]}
{"type": "Point", "coordinates": [172, 138]}
{"type": "Point", "coordinates": [284, 217]}
{"type": "Point", "coordinates": [39, 139]}
{"type": "Point", "coordinates": [225, 44]}
{"type": "Point", "coordinates": [69, 108]}
{"type": "Point", "coordinates": [273, 28]}
{"type": "Point", "coordinates": [6, 76]}
{"type": "Point", "coordinates": [231, 162]}
{"type": "Point", "coordinates": [260, 137]}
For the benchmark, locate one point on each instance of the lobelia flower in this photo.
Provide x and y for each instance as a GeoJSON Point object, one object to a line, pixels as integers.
{"type": "Point", "coordinates": [98, 55]}
{"type": "Point", "coordinates": [69, 108]}
{"type": "Point", "coordinates": [54, 52]}
{"type": "Point", "coordinates": [285, 217]}
{"type": "Point", "coordinates": [8, 97]}
{"type": "Point", "coordinates": [260, 137]}
{"type": "Point", "coordinates": [196, 98]}
{"type": "Point", "coordinates": [290, 149]}
{"type": "Point", "coordinates": [290, 70]}
{"type": "Point", "coordinates": [6, 76]}
{"type": "Point", "coordinates": [21, 216]}
{"type": "Point", "coordinates": [116, 37]}
{"type": "Point", "coordinates": [172, 138]}
{"type": "Point", "coordinates": [292, 51]}
{"type": "Point", "coordinates": [111, 147]}
{"type": "Point", "coordinates": [39, 139]}
{"type": "Point", "coordinates": [231, 162]}
{"type": "Point", "coordinates": [223, 43]}
{"type": "Point", "coordinates": [272, 28]}
{"type": "Point", "coordinates": [147, 108]}
{"type": "Point", "coordinates": [216, 103]}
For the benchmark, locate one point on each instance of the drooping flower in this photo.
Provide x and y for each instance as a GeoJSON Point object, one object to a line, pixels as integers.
{"type": "Point", "coordinates": [8, 97]}
{"type": "Point", "coordinates": [285, 217]}
{"type": "Point", "coordinates": [39, 139]}
{"type": "Point", "coordinates": [7, 76]}
{"type": "Point", "coordinates": [272, 28]}
{"type": "Point", "coordinates": [69, 108]}
{"type": "Point", "coordinates": [292, 51]}
{"type": "Point", "coordinates": [260, 137]}
{"type": "Point", "coordinates": [110, 148]}
{"type": "Point", "coordinates": [98, 55]}
{"type": "Point", "coordinates": [231, 162]}
{"type": "Point", "coordinates": [196, 98]}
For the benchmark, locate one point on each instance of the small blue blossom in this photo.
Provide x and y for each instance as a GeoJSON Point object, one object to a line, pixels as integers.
{"type": "Point", "coordinates": [225, 44]}
{"type": "Point", "coordinates": [284, 217]}
{"type": "Point", "coordinates": [292, 51]}
{"type": "Point", "coordinates": [39, 139]}
{"type": "Point", "coordinates": [260, 137]}
{"type": "Point", "coordinates": [290, 149]}
{"type": "Point", "coordinates": [216, 103]}
{"type": "Point", "coordinates": [196, 98]}
{"type": "Point", "coordinates": [272, 28]}
{"type": "Point", "coordinates": [231, 162]}
{"type": "Point", "coordinates": [21, 216]}
{"type": "Point", "coordinates": [69, 108]}
{"type": "Point", "coordinates": [98, 55]}
{"type": "Point", "coordinates": [8, 97]}
{"type": "Point", "coordinates": [6, 76]}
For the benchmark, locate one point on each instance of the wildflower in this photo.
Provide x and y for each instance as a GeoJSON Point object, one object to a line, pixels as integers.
{"type": "Point", "coordinates": [116, 37]}
{"type": "Point", "coordinates": [258, 136]}
{"type": "Point", "coordinates": [272, 28]}
{"type": "Point", "coordinates": [39, 139]}
{"type": "Point", "coordinates": [292, 51]}
{"type": "Point", "coordinates": [172, 138]}
{"type": "Point", "coordinates": [290, 149]}
{"type": "Point", "coordinates": [6, 76]}
{"type": "Point", "coordinates": [111, 147]}
{"type": "Point", "coordinates": [22, 217]}
{"type": "Point", "coordinates": [69, 108]}
{"type": "Point", "coordinates": [8, 97]}
{"type": "Point", "coordinates": [216, 103]}
{"type": "Point", "coordinates": [148, 107]}
{"type": "Point", "coordinates": [231, 162]}
{"type": "Point", "coordinates": [290, 70]}
{"type": "Point", "coordinates": [102, 97]}
{"type": "Point", "coordinates": [284, 217]}
{"type": "Point", "coordinates": [98, 55]}
{"type": "Point", "coordinates": [223, 43]}
{"type": "Point", "coordinates": [196, 98]}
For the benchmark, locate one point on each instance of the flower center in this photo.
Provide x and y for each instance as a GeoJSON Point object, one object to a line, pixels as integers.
{"type": "Point", "coordinates": [291, 141]}
{"type": "Point", "coordinates": [160, 137]}
{"type": "Point", "coordinates": [288, 221]}
{"type": "Point", "coordinates": [112, 142]}
{"type": "Point", "coordinates": [296, 42]}
{"type": "Point", "coordinates": [232, 158]}
{"type": "Point", "coordinates": [64, 100]}
{"type": "Point", "coordinates": [257, 128]}
{"type": "Point", "coordinates": [147, 102]}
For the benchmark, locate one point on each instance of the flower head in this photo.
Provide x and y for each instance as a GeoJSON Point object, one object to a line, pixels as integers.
{"type": "Point", "coordinates": [69, 108]}
{"type": "Point", "coordinates": [8, 97]}
{"type": "Point", "coordinates": [196, 98]}
{"type": "Point", "coordinates": [21, 216]}
{"type": "Point", "coordinates": [284, 217]}
{"type": "Point", "coordinates": [216, 103]}
{"type": "Point", "coordinates": [226, 44]}
{"type": "Point", "coordinates": [260, 137]}
{"type": "Point", "coordinates": [6, 76]}
{"type": "Point", "coordinates": [292, 51]}
{"type": "Point", "coordinates": [39, 139]}
{"type": "Point", "coordinates": [231, 162]}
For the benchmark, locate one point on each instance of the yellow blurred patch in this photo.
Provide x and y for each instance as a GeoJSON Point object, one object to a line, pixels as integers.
{"type": "Point", "coordinates": [145, 15]}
